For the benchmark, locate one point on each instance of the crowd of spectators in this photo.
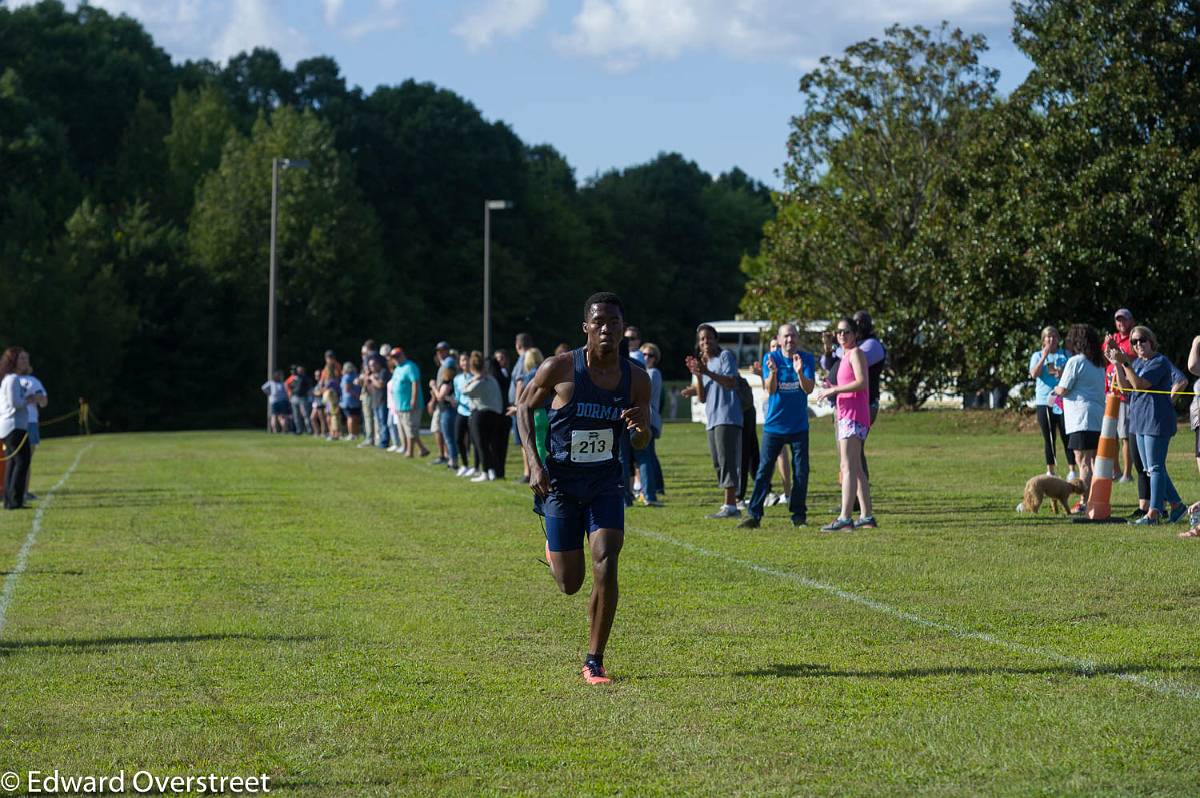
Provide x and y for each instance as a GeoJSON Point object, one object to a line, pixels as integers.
{"type": "Point", "coordinates": [470, 400]}
{"type": "Point", "coordinates": [1072, 385]}
{"type": "Point", "coordinates": [471, 397]}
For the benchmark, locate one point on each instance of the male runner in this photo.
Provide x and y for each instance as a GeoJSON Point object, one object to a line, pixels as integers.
{"type": "Point", "coordinates": [593, 396]}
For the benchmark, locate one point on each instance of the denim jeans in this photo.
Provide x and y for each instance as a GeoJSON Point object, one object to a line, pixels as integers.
{"type": "Point", "coordinates": [301, 410]}
{"type": "Point", "coordinates": [382, 438]}
{"type": "Point", "coordinates": [772, 444]}
{"type": "Point", "coordinates": [648, 468]}
{"type": "Point", "coordinates": [446, 422]}
{"type": "Point", "coordinates": [1153, 449]}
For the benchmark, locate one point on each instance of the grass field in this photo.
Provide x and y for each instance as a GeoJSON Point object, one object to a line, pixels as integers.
{"type": "Point", "coordinates": [352, 623]}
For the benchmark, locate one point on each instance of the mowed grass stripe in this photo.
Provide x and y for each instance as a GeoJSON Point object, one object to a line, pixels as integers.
{"type": "Point", "coordinates": [10, 579]}
{"type": "Point", "coordinates": [235, 602]}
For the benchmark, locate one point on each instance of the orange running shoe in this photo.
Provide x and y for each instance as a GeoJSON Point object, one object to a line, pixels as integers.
{"type": "Point", "coordinates": [593, 673]}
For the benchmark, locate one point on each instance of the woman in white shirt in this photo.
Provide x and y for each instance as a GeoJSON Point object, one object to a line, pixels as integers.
{"type": "Point", "coordinates": [1081, 387]}
{"type": "Point", "coordinates": [14, 425]}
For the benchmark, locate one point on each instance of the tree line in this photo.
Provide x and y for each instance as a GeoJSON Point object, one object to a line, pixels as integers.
{"type": "Point", "coordinates": [135, 222]}
{"type": "Point", "coordinates": [965, 220]}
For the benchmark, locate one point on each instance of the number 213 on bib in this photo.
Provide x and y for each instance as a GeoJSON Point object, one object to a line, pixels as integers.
{"type": "Point", "coordinates": [591, 445]}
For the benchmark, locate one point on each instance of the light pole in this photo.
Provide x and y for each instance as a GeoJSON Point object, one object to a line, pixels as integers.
{"type": "Point", "coordinates": [276, 163]}
{"type": "Point", "coordinates": [488, 207]}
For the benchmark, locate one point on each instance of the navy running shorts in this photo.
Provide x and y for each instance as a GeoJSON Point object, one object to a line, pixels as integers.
{"type": "Point", "coordinates": [569, 519]}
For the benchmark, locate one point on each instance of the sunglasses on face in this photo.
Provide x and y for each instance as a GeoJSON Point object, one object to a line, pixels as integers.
{"type": "Point", "coordinates": [1139, 341]}
{"type": "Point", "coordinates": [844, 332]}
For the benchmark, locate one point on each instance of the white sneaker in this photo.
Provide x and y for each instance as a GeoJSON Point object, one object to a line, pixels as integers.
{"type": "Point", "coordinates": [461, 472]}
{"type": "Point", "coordinates": [770, 500]}
{"type": "Point", "coordinates": [741, 505]}
{"type": "Point", "coordinates": [393, 448]}
{"type": "Point", "coordinates": [783, 499]}
{"type": "Point", "coordinates": [729, 511]}
{"type": "Point", "coordinates": [365, 444]}
{"type": "Point", "coordinates": [491, 475]}
{"type": "Point", "coordinates": [470, 472]}
{"type": "Point", "coordinates": [1072, 476]}
{"type": "Point", "coordinates": [480, 477]}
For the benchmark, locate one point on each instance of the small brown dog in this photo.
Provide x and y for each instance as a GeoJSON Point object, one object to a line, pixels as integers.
{"type": "Point", "coordinates": [1046, 486]}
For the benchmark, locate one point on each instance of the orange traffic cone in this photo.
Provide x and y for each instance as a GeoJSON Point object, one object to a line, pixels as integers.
{"type": "Point", "coordinates": [1098, 507]}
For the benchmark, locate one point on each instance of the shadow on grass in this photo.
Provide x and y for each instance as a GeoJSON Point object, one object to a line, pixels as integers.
{"type": "Point", "coordinates": [103, 643]}
{"type": "Point", "coordinates": [809, 670]}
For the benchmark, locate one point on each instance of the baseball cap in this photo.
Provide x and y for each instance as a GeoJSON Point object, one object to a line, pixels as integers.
{"type": "Point", "coordinates": [1123, 313]}
{"type": "Point", "coordinates": [442, 345]}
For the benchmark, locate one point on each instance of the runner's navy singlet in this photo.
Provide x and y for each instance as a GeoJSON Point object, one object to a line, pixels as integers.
{"type": "Point", "coordinates": [582, 457]}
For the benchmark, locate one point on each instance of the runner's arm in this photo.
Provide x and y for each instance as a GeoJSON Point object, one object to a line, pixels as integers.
{"type": "Point", "coordinates": [538, 392]}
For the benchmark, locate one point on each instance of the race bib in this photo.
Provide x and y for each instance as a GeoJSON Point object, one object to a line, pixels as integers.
{"type": "Point", "coordinates": [591, 445]}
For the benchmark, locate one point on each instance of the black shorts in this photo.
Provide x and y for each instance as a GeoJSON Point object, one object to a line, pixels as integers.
{"type": "Point", "coordinates": [1084, 441]}
{"type": "Point", "coordinates": [352, 412]}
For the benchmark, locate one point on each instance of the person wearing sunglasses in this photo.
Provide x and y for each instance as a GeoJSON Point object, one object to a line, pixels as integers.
{"type": "Point", "coordinates": [852, 393]}
{"type": "Point", "coordinates": [1149, 379]}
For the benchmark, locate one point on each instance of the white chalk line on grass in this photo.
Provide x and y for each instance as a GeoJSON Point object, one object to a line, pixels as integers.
{"type": "Point", "coordinates": [1082, 666]}
{"type": "Point", "coordinates": [10, 581]}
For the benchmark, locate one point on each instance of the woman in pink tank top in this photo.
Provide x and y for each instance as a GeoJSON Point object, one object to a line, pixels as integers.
{"type": "Point", "coordinates": [853, 424]}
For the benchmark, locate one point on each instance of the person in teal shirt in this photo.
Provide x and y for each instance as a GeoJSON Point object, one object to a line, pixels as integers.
{"type": "Point", "coordinates": [1045, 367]}
{"type": "Point", "coordinates": [410, 400]}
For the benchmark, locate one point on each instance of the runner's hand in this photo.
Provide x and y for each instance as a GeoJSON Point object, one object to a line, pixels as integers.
{"type": "Point", "coordinates": [539, 482]}
{"type": "Point", "coordinates": [633, 417]}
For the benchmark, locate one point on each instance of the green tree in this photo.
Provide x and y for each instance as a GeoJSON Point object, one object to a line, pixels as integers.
{"type": "Point", "coordinates": [667, 226]}
{"type": "Point", "coordinates": [426, 161]}
{"type": "Point", "coordinates": [1110, 162]}
{"type": "Point", "coordinates": [862, 220]}
{"type": "Point", "coordinates": [86, 70]}
{"type": "Point", "coordinates": [201, 124]}
{"type": "Point", "coordinates": [332, 283]}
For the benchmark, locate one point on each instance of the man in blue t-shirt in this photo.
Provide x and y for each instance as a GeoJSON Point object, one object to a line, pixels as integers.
{"type": "Point", "coordinates": [788, 376]}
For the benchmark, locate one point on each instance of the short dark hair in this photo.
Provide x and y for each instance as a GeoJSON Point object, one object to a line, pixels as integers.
{"type": "Point", "coordinates": [525, 340]}
{"type": "Point", "coordinates": [603, 298]}
{"type": "Point", "coordinates": [866, 327]}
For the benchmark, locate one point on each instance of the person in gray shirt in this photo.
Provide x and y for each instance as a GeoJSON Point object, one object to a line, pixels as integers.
{"type": "Point", "coordinates": [714, 382]}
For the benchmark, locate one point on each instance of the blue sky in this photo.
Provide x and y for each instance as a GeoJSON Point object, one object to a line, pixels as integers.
{"type": "Point", "coordinates": [609, 83]}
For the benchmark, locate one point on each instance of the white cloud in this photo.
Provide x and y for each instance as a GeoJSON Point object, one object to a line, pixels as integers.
{"type": "Point", "coordinates": [382, 18]}
{"type": "Point", "coordinates": [215, 29]}
{"type": "Point", "coordinates": [498, 18]}
{"type": "Point", "coordinates": [332, 9]}
{"type": "Point", "coordinates": [255, 23]}
{"type": "Point", "coordinates": [625, 33]}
